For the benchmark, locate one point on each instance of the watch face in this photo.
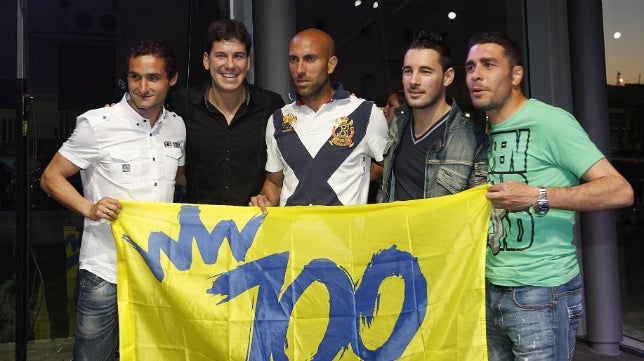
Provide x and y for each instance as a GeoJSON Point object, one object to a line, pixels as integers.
{"type": "Point", "coordinates": [541, 207]}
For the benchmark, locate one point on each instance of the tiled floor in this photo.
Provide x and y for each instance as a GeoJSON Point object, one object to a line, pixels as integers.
{"type": "Point", "coordinates": [61, 350]}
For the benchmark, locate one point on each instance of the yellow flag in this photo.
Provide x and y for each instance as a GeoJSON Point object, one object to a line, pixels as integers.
{"type": "Point", "coordinates": [396, 281]}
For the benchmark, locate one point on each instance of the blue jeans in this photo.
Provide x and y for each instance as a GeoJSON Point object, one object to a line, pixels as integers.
{"type": "Point", "coordinates": [97, 322]}
{"type": "Point", "coordinates": [533, 323]}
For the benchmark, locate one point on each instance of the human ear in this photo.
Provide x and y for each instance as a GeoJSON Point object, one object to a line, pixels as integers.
{"type": "Point", "coordinates": [332, 63]}
{"type": "Point", "coordinates": [448, 77]}
{"type": "Point", "coordinates": [517, 74]}
{"type": "Point", "coordinates": [206, 63]}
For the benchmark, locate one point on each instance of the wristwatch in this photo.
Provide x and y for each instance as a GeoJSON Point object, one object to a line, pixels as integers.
{"type": "Point", "coordinates": [542, 206]}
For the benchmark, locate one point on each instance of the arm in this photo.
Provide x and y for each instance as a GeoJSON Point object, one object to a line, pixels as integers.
{"type": "Point", "coordinates": [54, 182]}
{"type": "Point", "coordinates": [270, 193]}
{"type": "Point", "coordinates": [376, 170]}
{"type": "Point", "coordinates": [180, 179]}
{"type": "Point", "coordinates": [604, 189]}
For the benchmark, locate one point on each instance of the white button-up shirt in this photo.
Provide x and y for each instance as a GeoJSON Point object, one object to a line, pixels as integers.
{"type": "Point", "coordinates": [122, 157]}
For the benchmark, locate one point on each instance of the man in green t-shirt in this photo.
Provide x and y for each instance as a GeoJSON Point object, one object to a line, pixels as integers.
{"type": "Point", "coordinates": [537, 155]}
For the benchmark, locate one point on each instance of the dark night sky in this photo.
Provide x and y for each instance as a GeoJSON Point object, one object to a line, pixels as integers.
{"type": "Point", "coordinates": [625, 54]}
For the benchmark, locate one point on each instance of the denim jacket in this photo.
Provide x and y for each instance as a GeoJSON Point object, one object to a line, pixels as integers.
{"type": "Point", "coordinates": [458, 163]}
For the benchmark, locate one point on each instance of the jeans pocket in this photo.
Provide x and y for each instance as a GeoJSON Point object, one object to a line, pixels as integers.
{"type": "Point", "coordinates": [94, 289]}
{"type": "Point", "coordinates": [88, 280]}
{"type": "Point", "coordinates": [532, 298]}
{"type": "Point", "coordinates": [575, 311]}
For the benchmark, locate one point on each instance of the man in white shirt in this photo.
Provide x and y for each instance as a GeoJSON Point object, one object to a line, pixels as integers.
{"type": "Point", "coordinates": [320, 146]}
{"type": "Point", "coordinates": [131, 151]}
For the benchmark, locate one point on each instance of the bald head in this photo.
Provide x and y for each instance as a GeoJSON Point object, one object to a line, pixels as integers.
{"type": "Point", "coordinates": [311, 61]}
{"type": "Point", "coordinates": [323, 41]}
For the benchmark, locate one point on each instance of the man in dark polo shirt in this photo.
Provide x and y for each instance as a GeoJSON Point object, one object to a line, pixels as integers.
{"type": "Point", "coordinates": [225, 122]}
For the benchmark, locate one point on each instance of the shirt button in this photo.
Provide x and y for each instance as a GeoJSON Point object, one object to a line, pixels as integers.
{"type": "Point", "coordinates": [154, 159]}
{"type": "Point", "coordinates": [155, 184]}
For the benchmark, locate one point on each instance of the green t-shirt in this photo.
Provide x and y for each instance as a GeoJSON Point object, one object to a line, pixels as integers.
{"type": "Point", "coordinates": [538, 145]}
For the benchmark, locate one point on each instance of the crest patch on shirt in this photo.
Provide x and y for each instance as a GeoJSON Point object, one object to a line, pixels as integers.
{"type": "Point", "coordinates": [287, 122]}
{"type": "Point", "coordinates": [342, 132]}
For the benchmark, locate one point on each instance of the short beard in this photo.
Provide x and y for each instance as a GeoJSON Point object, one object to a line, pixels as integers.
{"type": "Point", "coordinates": [312, 91]}
{"type": "Point", "coordinates": [430, 103]}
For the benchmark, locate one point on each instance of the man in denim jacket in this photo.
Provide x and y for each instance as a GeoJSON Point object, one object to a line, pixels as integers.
{"type": "Point", "coordinates": [433, 150]}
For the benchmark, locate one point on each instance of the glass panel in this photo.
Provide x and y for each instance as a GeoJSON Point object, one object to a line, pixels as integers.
{"type": "Point", "coordinates": [74, 61]}
{"type": "Point", "coordinates": [623, 31]}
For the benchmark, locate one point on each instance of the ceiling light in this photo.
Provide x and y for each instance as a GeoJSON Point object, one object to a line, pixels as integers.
{"type": "Point", "coordinates": [357, 3]}
{"type": "Point", "coordinates": [375, 4]}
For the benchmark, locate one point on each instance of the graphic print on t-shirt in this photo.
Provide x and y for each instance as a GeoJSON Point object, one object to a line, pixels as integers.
{"type": "Point", "coordinates": [507, 160]}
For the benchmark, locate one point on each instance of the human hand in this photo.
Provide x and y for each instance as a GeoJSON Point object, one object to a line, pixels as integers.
{"type": "Point", "coordinates": [260, 201]}
{"type": "Point", "coordinates": [106, 208]}
{"type": "Point", "coordinates": [512, 195]}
